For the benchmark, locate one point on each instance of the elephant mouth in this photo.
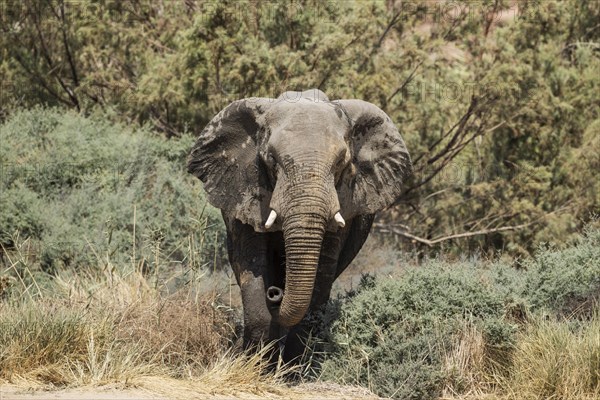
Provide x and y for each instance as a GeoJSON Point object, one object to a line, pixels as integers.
{"type": "Point", "coordinates": [275, 286]}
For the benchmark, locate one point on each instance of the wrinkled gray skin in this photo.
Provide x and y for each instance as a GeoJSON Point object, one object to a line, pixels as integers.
{"type": "Point", "coordinates": [306, 158]}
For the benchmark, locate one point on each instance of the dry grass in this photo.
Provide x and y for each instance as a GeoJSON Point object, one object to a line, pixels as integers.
{"type": "Point", "coordinates": [555, 360]}
{"type": "Point", "coordinates": [228, 375]}
{"type": "Point", "coordinates": [101, 330]}
{"type": "Point", "coordinates": [552, 360]}
{"type": "Point", "coordinates": [50, 345]}
{"type": "Point", "coordinates": [52, 348]}
{"type": "Point", "coordinates": [466, 365]}
{"type": "Point", "coordinates": [96, 329]}
{"type": "Point", "coordinates": [108, 324]}
{"type": "Point", "coordinates": [117, 329]}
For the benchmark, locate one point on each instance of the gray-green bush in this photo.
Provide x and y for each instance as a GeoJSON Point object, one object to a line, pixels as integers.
{"type": "Point", "coordinates": [566, 282]}
{"type": "Point", "coordinates": [73, 190]}
{"type": "Point", "coordinates": [395, 335]}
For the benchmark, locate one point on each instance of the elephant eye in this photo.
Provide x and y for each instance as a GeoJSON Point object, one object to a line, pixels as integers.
{"type": "Point", "coordinates": [271, 159]}
{"type": "Point", "coordinates": [341, 158]}
{"type": "Point", "coordinates": [271, 167]}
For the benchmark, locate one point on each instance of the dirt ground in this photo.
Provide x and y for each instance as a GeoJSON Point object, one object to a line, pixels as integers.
{"type": "Point", "coordinates": [160, 388]}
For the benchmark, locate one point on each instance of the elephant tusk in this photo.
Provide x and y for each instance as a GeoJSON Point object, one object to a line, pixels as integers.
{"type": "Point", "coordinates": [271, 219]}
{"type": "Point", "coordinates": [340, 221]}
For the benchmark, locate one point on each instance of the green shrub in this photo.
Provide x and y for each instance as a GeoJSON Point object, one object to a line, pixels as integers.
{"type": "Point", "coordinates": [75, 188]}
{"type": "Point", "coordinates": [394, 335]}
{"type": "Point", "coordinates": [406, 336]}
{"type": "Point", "coordinates": [566, 281]}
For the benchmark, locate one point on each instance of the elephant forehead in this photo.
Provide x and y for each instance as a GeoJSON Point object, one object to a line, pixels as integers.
{"type": "Point", "coordinates": [306, 118]}
{"type": "Point", "coordinates": [305, 111]}
{"type": "Point", "coordinates": [298, 131]}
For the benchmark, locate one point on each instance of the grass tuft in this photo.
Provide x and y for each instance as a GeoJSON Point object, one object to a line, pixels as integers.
{"type": "Point", "coordinates": [110, 328]}
{"type": "Point", "coordinates": [557, 360]}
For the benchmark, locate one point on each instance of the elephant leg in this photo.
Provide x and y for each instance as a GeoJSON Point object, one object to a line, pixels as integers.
{"type": "Point", "coordinates": [248, 256]}
{"type": "Point", "coordinates": [296, 341]}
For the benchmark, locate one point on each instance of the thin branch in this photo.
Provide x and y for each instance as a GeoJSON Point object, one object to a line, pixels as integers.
{"type": "Point", "coordinates": [433, 242]}
{"type": "Point", "coordinates": [377, 45]}
{"type": "Point", "coordinates": [406, 82]}
{"type": "Point", "coordinates": [461, 121]}
{"type": "Point", "coordinates": [437, 193]}
{"type": "Point", "coordinates": [40, 80]}
{"type": "Point", "coordinates": [46, 54]}
{"type": "Point", "coordinates": [576, 44]}
{"type": "Point", "coordinates": [489, 18]}
{"type": "Point", "coordinates": [457, 143]}
{"type": "Point", "coordinates": [66, 44]}
{"type": "Point", "coordinates": [459, 131]}
{"type": "Point", "coordinates": [445, 161]}
{"type": "Point", "coordinates": [325, 78]}
{"type": "Point", "coordinates": [393, 22]}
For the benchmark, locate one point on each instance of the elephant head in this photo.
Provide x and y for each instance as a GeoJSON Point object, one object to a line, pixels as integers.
{"type": "Point", "coordinates": [301, 164]}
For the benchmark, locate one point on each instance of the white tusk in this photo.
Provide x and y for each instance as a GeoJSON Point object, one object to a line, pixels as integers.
{"type": "Point", "coordinates": [271, 219]}
{"type": "Point", "coordinates": [338, 218]}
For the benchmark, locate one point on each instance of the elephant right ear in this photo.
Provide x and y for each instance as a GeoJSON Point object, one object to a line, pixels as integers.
{"type": "Point", "coordinates": [226, 159]}
{"type": "Point", "coordinates": [380, 160]}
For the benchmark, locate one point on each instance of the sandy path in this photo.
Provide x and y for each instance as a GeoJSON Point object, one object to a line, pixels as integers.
{"type": "Point", "coordinates": [162, 389]}
{"type": "Point", "coordinates": [93, 393]}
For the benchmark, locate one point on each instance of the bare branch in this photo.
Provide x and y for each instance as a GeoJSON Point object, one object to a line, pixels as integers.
{"type": "Point", "coordinates": [489, 18]}
{"type": "Point", "coordinates": [460, 129]}
{"type": "Point", "coordinates": [40, 80]}
{"type": "Point", "coordinates": [377, 45]}
{"type": "Point", "coordinates": [53, 68]}
{"type": "Point", "coordinates": [406, 81]}
{"type": "Point", "coordinates": [431, 243]}
{"type": "Point", "coordinates": [66, 44]}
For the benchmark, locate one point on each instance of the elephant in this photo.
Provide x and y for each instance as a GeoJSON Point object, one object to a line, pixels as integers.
{"type": "Point", "coordinates": [298, 180]}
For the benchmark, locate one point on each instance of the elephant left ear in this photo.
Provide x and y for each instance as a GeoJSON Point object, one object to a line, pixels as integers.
{"type": "Point", "coordinates": [226, 159]}
{"type": "Point", "coordinates": [380, 161]}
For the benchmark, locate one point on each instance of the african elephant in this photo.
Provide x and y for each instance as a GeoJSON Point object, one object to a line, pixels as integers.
{"type": "Point", "coordinates": [298, 180]}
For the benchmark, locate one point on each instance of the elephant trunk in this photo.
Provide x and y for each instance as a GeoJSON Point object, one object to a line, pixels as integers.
{"type": "Point", "coordinates": [303, 230]}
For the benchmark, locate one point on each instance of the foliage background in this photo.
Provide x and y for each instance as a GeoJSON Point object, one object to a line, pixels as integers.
{"type": "Point", "coordinates": [87, 193]}
{"type": "Point", "coordinates": [497, 100]}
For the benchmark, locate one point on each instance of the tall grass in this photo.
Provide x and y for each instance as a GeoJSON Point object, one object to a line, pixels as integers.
{"type": "Point", "coordinates": [118, 327]}
{"type": "Point", "coordinates": [465, 365]}
{"type": "Point", "coordinates": [98, 330]}
{"type": "Point", "coordinates": [113, 323]}
{"type": "Point", "coordinates": [554, 359]}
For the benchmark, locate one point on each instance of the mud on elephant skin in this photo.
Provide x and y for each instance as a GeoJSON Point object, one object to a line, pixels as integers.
{"type": "Point", "coordinates": [298, 180]}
